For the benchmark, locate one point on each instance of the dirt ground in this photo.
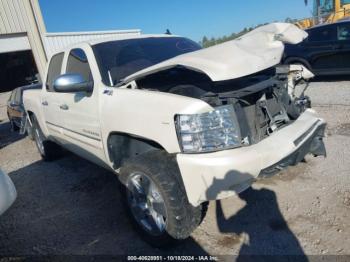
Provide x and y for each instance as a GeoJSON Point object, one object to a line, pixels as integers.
{"type": "Point", "coordinates": [72, 206]}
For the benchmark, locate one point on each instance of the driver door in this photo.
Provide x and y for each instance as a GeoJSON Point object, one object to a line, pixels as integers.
{"type": "Point", "coordinates": [343, 38]}
{"type": "Point", "coordinates": [321, 47]}
{"type": "Point", "coordinates": [80, 111]}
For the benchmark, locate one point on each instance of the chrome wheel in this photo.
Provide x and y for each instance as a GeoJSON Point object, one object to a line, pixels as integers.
{"type": "Point", "coordinates": [146, 203]}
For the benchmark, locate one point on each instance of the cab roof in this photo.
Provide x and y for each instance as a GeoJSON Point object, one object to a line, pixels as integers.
{"type": "Point", "coordinates": [342, 21]}
{"type": "Point", "coordinates": [127, 37]}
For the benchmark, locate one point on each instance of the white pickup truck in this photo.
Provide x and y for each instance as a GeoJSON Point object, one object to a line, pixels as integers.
{"type": "Point", "coordinates": [178, 124]}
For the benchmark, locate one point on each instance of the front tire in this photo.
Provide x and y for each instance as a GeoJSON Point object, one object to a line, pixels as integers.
{"type": "Point", "coordinates": [48, 150]}
{"type": "Point", "coordinates": [156, 201]}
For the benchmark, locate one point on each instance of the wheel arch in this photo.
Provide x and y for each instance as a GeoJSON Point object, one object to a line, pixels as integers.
{"type": "Point", "coordinates": [40, 121]}
{"type": "Point", "coordinates": [30, 113]}
{"type": "Point", "coordinates": [122, 146]}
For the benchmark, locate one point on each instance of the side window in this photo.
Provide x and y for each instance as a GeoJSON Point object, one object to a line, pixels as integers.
{"type": "Point", "coordinates": [54, 71]}
{"type": "Point", "coordinates": [78, 64]}
{"type": "Point", "coordinates": [322, 34]}
{"type": "Point", "coordinates": [344, 32]}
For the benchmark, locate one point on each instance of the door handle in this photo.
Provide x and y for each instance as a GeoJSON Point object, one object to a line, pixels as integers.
{"type": "Point", "coordinates": [64, 107]}
{"type": "Point", "coordinates": [44, 103]}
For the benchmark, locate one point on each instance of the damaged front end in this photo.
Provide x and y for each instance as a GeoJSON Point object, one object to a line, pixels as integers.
{"type": "Point", "coordinates": [244, 73]}
{"type": "Point", "coordinates": [264, 96]}
{"type": "Point", "coordinates": [313, 145]}
{"type": "Point", "coordinates": [262, 102]}
{"type": "Point", "coordinates": [257, 119]}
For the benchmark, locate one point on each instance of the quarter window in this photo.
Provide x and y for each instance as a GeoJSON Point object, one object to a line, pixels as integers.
{"type": "Point", "coordinates": [344, 32]}
{"type": "Point", "coordinates": [322, 34]}
{"type": "Point", "coordinates": [78, 64]}
{"type": "Point", "coordinates": [54, 71]}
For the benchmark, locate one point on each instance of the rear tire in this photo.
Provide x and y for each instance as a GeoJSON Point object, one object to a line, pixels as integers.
{"type": "Point", "coordinates": [176, 216]}
{"type": "Point", "coordinates": [48, 150]}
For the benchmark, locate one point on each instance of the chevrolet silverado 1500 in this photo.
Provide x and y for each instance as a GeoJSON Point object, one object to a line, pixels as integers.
{"type": "Point", "coordinates": [179, 125]}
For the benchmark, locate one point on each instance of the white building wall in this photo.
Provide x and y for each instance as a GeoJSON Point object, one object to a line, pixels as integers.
{"type": "Point", "coordinates": [17, 16]}
{"type": "Point", "coordinates": [14, 42]}
{"type": "Point", "coordinates": [12, 17]}
{"type": "Point", "coordinates": [23, 19]}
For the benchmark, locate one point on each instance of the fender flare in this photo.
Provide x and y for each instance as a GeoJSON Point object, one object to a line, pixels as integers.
{"type": "Point", "coordinates": [122, 146]}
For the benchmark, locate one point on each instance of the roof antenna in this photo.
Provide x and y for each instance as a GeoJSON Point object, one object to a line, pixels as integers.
{"type": "Point", "coordinates": [167, 32]}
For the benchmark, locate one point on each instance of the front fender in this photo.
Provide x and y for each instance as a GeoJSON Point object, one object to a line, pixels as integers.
{"type": "Point", "coordinates": [146, 114]}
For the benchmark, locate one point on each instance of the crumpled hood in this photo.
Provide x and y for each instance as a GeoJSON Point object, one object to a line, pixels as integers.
{"type": "Point", "coordinates": [253, 52]}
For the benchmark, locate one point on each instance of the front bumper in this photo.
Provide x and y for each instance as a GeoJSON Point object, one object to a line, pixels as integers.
{"type": "Point", "coordinates": [222, 174]}
{"type": "Point", "coordinates": [8, 192]}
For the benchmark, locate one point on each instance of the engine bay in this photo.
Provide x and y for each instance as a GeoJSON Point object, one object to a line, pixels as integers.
{"type": "Point", "coordinates": [263, 102]}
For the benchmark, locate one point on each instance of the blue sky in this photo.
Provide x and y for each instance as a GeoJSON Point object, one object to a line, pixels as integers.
{"type": "Point", "coordinates": [190, 18]}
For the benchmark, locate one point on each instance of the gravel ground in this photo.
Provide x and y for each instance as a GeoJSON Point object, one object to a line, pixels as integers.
{"type": "Point", "coordinates": [72, 207]}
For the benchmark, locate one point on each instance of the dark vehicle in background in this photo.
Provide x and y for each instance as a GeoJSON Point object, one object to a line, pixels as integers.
{"type": "Point", "coordinates": [15, 107]}
{"type": "Point", "coordinates": [326, 51]}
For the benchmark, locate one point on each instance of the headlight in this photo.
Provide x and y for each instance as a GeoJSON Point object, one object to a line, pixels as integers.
{"type": "Point", "coordinates": [212, 131]}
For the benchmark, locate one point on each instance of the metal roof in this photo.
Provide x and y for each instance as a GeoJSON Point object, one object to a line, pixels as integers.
{"type": "Point", "coordinates": [341, 21]}
{"type": "Point", "coordinates": [126, 37]}
{"type": "Point", "coordinates": [55, 42]}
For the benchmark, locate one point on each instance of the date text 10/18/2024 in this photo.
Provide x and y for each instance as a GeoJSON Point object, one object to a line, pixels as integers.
{"type": "Point", "coordinates": [172, 258]}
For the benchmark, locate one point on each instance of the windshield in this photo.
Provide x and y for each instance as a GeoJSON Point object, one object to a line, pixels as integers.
{"type": "Point", "coordinates": [119, 59]}
{"type": "Point", "coordinates": [323, 7]}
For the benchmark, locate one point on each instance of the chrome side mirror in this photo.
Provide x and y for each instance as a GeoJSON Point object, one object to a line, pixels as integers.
{"type": "Point", "coordinates": [72, 83]}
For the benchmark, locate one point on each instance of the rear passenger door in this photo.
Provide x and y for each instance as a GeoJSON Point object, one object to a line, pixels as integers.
{"type": "Point", "coordinates": [343, 37]}
{"type": "Point", "coordinates": [51, 100]}
{"type": "Point", "coordinates": [321, 47]}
